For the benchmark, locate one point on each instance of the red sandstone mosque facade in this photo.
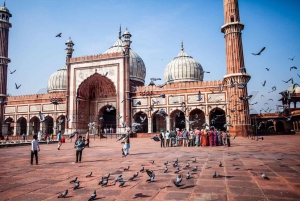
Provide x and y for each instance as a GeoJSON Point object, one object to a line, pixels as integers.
{"type": "Point", "coordinates": [109, 90]}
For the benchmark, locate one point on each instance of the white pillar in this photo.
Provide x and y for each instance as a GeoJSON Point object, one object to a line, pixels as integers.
{"type": "Point", "coordinates": [149, 125]}
{"type": "Point", "coordinates": [168, 123]}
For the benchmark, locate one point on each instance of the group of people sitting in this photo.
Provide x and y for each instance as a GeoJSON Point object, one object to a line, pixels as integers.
{"type": "Point", "coordinates": [193, 137]}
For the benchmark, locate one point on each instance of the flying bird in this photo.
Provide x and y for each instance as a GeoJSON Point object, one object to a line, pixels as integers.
{"type": "Point", "coordinates": [293, 67]}
{"type": "Point", "coordinates": [17, 86]}
{"type": "Point", "coordinates": [63, 195]}
{"type": "Point", "coordinates": [11, 72]}
{"type": "Point", "coordinates": [58, 35]}
{"type": "Point", "coordinates": [257, 54]}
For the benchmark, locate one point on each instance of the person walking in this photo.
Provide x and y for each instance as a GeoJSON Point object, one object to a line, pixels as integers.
{"type": "Point", "coordinates": [59, 140]}
{"type": "Point", "coordinates": [34, 150]}
{"type": "Point", "coordinates": [79, 144]}
{"type": "Point", "coordinates": [162, 138]}
{"type": "Point", "coordinates": [87, 137]}
{"type": "Point", "coordinates": [167, 139]}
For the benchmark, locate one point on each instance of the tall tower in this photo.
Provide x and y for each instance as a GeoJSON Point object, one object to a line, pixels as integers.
{"type": "Point", "coordinates": [69, 49]}
{"type": "Point", "coordinates": [127, 43]}
{"type": "Point", "coordinates": [236, 78]}
{"type": "Point", "coordinates": [4, 60]}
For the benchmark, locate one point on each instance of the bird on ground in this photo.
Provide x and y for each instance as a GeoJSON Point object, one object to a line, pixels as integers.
{"type": "Point", "coordinates": [178, 180]}
{"type": "Point", "coordinates": [151, 175]}
{"type": "Point", "coordinates": [143, 169]}
{"type": "Point", "coordinates": [291, 58]}
{"type": "Point", "coordinates": [125, 169]}
{"type": "Point", "coordinates": [143, 119]}
{"type": "Point", "coordinates": [264, 176]}
{"type": "Point", "coordinates": [187, 165]}
{"type": "Point", "coordinates": [293, 67]}
{"type": "Point", "coordinates": [215, 175]}
{"type": "Point", "coordinates": [93, 196]}
{"type": "Point", "coordinates": [199, 96]}
{"type": "Point", "coordinates": [188, 176]}
{"type": "Point", "coordinates": [267, 69]}
{"type": "Point", "coordinates": [89, 175]}
{"type": "Point", "coordinates": [166, 169]}
{"type": "Point", "coordinates": [264, 83]}
{"type": "Point", "coordinates": [105, 74]}
{"type": "Point", "coordinates": [195, 168]}
{"type": "Point", "coordinates": [76, 185]}
{"type": "Point", "coordinates": [220, 164]}
{"type": "Point", "coordinates": [58, 35]}
{"type": "Point", "coordinates": [11, 72]}
{"type": "Point", "coordinates": [42, 117]}
{"type": "Point", "coordinates": [257, 54]}
{"type": "Point", "coordinates": [100, 181]}
{"type": "Point", "coordinates": [17, 86]}
{"type": "Point", "coordinates": [74, 180]}
{"type": "Point", "coordinates": [63, 195]}
{"type": "Point", "coordinates": [177, 170]}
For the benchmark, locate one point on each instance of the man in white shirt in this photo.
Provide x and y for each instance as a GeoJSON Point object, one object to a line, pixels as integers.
{"type": "Point", "coordinates": [34, 149]}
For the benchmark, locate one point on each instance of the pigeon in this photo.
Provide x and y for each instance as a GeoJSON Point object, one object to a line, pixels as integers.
{"type": "Point", "coordinates": [42, 117]}
{"type": "Point", "coordinates": [101, 181]}
{"type": "Point", "coordinates": [220, 164]}
{"type": "Point", "coordinates": [178, 180]}
{"type": "Point", "coordinates": [195, 168]}
{"type": "Point", "coordinates": [76, 185]}
{"type": "Point", "coordinates": [17, 86]}
{"type": "Point", "coordinates": [89, 175]}
{"type": "Point", "coordinates": [187, 165]}
{"type": "Point", "coordinates": [104, 183]}
{"type": "Point", "coordinates": [63, 195]}
{"type": "Point", "coordinates": [142, 170]}
{"type": "Point", "coordinates": [151, 175]}
{"type": "Point", "coordinates": [151, 162]}
{"type": "Point", "coordinates": [93, 196]}
{"type": "Point", "coordinates": [293, 67]}
{"type": "Point", "coordinates": [188, 176]}
{"type": "Point", "coordinates": [74, 180]}
{"type": "Point", "coordinates": [106, 177]}
{"type": "Point", "coordinates": [166, 169]}
{"type": "Point", "coordinates": [125, 169]}
{"type": "Point", "coordinates": [11, 72]}
{"type": "Point", "coordinates": [177, 170]}
{"type": "Point", "coordinates": [58, 35]}
{"type": "Point", "coordinates": [257, 54]}
{"type": "Point", "coordinates": [215, 175]}
{"type": "Point", "coordinates": [264, 176]}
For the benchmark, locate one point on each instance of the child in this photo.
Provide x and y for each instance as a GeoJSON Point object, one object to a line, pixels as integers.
{"type": "Point", "coordinates": [34, 149]}
{"type": "Point", "coordinates": [79, 144]}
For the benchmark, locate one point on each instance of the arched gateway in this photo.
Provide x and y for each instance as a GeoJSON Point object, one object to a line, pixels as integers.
{"type": "Point", "coordinates": [93, 94]}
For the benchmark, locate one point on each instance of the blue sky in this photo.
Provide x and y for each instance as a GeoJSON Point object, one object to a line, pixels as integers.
{"type": "Point", "coordinates": [157, 28]}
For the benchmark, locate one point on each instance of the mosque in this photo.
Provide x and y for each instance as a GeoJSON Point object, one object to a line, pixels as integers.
{"type": "Point", "coordinates": [108, 90]}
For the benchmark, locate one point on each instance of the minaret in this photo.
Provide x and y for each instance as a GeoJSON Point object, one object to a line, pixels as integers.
{"type": "Point", "coordinates": [127, 43]}
{"type": "Point", "coordinates": [4, 60]}
{"type": "Point", "coordinates": [235, 71]}
{"type": "Point", "coordinates": [69, 49]}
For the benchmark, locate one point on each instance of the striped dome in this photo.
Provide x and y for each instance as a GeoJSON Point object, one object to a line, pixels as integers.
{"type": "Point", "coordinates": [183, 68]}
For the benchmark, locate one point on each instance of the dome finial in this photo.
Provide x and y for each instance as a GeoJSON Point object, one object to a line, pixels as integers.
{"type": "Point", "coordinates": [120, 31]}
{"type": "Point", "coordinates": [182, 46]}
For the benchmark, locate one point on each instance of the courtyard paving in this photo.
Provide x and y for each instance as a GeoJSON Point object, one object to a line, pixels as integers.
{"type": "Point", "coordinates": [239, 178]}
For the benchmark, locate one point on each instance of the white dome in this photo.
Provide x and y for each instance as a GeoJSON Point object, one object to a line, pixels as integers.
{"type": "Point", "coordinates": [58, 81]}
{"type": "Point", "coordinates": [183, 68]}
{"type": "Point", "coordinates": [137, 65]}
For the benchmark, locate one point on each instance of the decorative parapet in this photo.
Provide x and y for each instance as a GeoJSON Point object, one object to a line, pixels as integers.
{"type": "Point", "coordinates": [96, 57]}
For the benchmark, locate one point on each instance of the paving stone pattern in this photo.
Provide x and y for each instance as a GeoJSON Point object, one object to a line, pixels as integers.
{"type": "Point", "coordinates": [239, 178]}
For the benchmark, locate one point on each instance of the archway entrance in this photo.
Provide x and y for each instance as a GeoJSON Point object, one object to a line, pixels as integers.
{"type": "Point", "coordinates": [109, 123]}
{"type": "Point", "coordinates": [35, 123]}
{"type": "Point", "coordinates": [158, 122]}
{"type": "Point", "coordinates": [217, 118]}
{"type": "Point", "coordinates": [141, 117]}
{"type": "Point", "coordinates": [21, 126]}
{"type": "Point", "coordinates": [280, 127]}
{"type": "Point", "coordinates": [198, 116]}
{"type": "Point", "coordinates": [177, 119]}
{"type": "Point", "coordinates": [90, 92]}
